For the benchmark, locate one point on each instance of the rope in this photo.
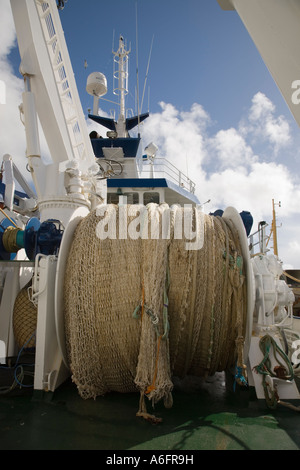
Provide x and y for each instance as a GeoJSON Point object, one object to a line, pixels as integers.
{"type": "Point", "coordinates": [4, 213]}
{"type": "Point", "coordinates": [143, 413]}
{"type": "Point", "coordinates": [9, 239]}
{"type": "Point", "coordinates": [152, 387]}
{"type": "Point", "coordinates": [18, 371]}
{"type": "Point", "coordinates": [264, 368]}
{"type": "Point", "coordinates": [153, 374]}
{"type": "Point", "coordinates": [291, 277]}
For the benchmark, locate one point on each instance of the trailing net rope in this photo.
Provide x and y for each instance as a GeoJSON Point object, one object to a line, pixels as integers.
{"type": "Point", "coordinates": [139, 311]}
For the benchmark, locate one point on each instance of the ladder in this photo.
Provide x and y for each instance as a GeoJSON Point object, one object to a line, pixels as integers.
{"type": "Point", "coordinates": [64, 78]}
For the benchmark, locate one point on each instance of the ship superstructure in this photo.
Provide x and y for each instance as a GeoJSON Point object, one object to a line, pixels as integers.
{"type": "Point", "coordinates": [134, 172]}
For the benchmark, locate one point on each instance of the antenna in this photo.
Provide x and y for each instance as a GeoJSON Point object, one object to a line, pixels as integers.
{"type": "Point", "coordinates": [113, 41]}
{"type": "Point", "coordinates": [147, 71]}
{"type": "Point", "coordinates": [274, 228]}
{"type": "Point", "coordinates": [137, 68]}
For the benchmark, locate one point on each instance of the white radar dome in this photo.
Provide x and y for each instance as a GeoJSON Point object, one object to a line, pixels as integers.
{"type": "Point", "coordinates": [151, 150]}
{"type": "Point", "coordinates": [96, 84]}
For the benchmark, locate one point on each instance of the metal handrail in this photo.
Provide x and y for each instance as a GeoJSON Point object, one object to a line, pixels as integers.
{"type": "Point", "coordinates": [262, 240]}
{"type": "Point", "coordinates": [161, 167]}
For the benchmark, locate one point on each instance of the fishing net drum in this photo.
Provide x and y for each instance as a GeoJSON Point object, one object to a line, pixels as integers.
{"type": "Point", "coordinates": [149, 302]}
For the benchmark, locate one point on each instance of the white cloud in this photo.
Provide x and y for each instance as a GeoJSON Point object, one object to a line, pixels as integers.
{"type": "Point", "coordinates": [12, 135]}
{"type": "Point", "coordinates": [294, 246]}
{"type": "Point", "coordinates": [261, 107]}
{"type": "Point", "coordinates": [262, 124]}
{"type": "Point", "coordinates": [231, 149]}
{"type": "Point", "coordinates": [226, 166]}
{"type": "Point", "coordinates": [180, 135]}
{"type": "Point", "coordinates": [7, 29]}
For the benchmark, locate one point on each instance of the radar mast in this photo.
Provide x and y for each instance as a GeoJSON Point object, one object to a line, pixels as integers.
{"type": "Point", "coordinates": [121, 57]}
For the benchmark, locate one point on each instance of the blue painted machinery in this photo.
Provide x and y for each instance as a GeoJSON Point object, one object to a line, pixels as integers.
{"type": "Point", "coordinates": [37, 237]}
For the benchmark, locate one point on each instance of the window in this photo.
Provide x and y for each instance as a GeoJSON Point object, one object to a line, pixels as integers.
{"type": "Point", "coordinates": [151, 197]}
{"type": "Point", "coordinates": [132, 198]}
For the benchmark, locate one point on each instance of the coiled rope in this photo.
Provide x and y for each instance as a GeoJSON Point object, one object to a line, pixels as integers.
{"type": "Point", "coordinates": [283, 371]}
{"type": "Point", "coordinates": [139, 311]}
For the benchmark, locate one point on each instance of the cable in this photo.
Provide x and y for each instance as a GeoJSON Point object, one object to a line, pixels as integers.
{"type": "Point", "coordinates": [18, 372]}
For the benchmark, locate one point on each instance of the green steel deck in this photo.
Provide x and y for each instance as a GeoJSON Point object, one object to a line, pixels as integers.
{"type": "Point", "coordinates": [204, 416]}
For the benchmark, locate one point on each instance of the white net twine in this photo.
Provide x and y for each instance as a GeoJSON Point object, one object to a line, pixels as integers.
{"type": "Point", "coordinates": [142, 309]}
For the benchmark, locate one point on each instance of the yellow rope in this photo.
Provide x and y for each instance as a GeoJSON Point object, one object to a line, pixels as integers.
{"type": "Point", "coordinates": [8, 218]}
{"type": "Point", "coordinates": [9, 239]}
{"type": "Point", "coordinates": [291, 277]}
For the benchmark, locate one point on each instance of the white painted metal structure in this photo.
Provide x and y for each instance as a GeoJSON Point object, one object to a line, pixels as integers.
{"type": "Point", "coordinates": [97, 87]}
{"type": "Point", "coordinates": [51, 95]}
{"type": "Point", "coordinates": [274, 28]}
{"type": "Point", "coordinates": [63, 187]}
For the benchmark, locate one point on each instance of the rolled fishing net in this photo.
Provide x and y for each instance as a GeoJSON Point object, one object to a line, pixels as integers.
{"type": "Point", "coordinates": [151, 293]}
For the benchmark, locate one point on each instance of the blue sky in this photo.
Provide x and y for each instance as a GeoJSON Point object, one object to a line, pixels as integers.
{"type": "Point", "coordinates": [216, 112]}
{"type": "Point", "coordinates": [200, 53]}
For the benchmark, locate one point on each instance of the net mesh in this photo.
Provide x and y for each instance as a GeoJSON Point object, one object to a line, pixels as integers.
{"type": "Point", "coordinates": [142, 309]}
{"type": "Point", "coordinates": [24, 319]}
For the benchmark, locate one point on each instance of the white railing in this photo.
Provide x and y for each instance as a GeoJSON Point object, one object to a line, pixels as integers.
{"type": "Point", "coordinates": [259, 240]}
{"type": "Point", "coordinates": [163, 168]}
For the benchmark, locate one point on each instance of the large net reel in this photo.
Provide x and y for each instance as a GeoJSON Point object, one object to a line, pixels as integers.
{"type": "Point", "coordinates": [141, 309]}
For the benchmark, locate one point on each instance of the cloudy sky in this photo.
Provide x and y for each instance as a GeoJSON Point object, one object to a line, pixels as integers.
{"type": "Point", "coordinates": [215, 110]}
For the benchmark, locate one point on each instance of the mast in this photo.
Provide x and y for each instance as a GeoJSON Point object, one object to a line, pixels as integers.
{"type": "Point", "coordinates": [274, 229]}
{"type": "Point", "coordinates": [121, 89]}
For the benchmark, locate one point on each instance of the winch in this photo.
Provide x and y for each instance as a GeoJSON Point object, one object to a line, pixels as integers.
{"type": "Point", "coordinates": [37, 237]}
